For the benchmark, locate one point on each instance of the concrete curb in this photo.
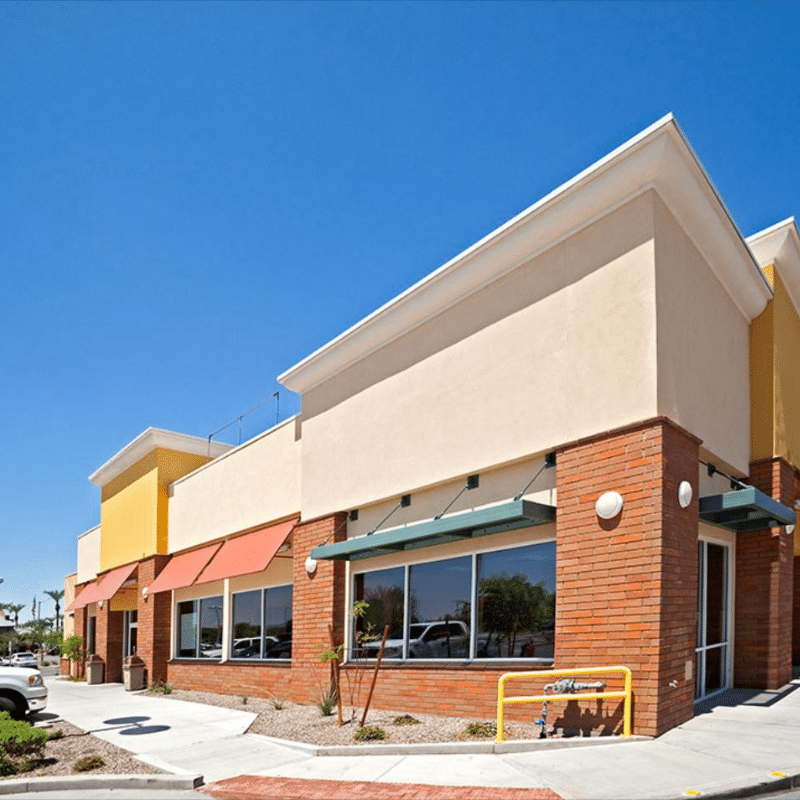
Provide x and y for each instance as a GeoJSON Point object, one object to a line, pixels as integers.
{"type": "Point", "coordinates": [451, 748]}
{"type": "Point", "coordinates": [768, 786]}
{"type": "Point", "coordinates": [72, 783]}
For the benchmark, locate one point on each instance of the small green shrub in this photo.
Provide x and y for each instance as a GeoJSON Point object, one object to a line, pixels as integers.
{"type": "Point", "coordinates": [405, 719]}
{"type": "Point", "coordinates": [327, 702]}
{"type": "Point", "coordinates": [277, 703]}
{"type": "Point", "coordinates": [77, 678]}
{"type": "Point", "coordinates": [160, 687]}
{"type": "Point", "coordinates": [481, 730]}
{"type": "Point", "coordinates": [244, 701]}
{"type": "Point", "coordinates": [55, 735]}
{"type": "Point", "coordinates": [88, 763]}
{"type": "Point", "coordinates": [369, 733]}
{"type": "Point", "coordinates": [20, 745]}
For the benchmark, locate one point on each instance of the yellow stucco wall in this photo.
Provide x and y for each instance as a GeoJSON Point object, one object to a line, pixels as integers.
{"type": "Point", "coordinates": [133, 508]}
{"type": "Point", "coordinates": [775, 378]}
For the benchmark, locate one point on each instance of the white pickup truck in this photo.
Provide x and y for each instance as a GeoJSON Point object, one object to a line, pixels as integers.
{"type": "Point", "coordinates": [22, 690]}
{"type": "Point", "coordinates": [433, 639]}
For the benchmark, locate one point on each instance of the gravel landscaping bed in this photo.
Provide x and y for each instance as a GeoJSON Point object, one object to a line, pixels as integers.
{"type": "Point", "coordinates": [61, 755]}
{"type": "Point", "coordinates": [302, 723]}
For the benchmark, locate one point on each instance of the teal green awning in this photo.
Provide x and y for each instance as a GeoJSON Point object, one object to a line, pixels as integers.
{"type": "Point", "coordinates": [745, 510]}
{"type": "Point", "coordinates": [495, 519]}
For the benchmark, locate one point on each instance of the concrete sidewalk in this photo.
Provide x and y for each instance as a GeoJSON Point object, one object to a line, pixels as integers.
{"type": "Point", "coordinates": [746, 742]}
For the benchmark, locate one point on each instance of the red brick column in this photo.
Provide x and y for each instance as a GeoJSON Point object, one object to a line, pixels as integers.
{"type": "Point", "coordinates": [109, 641]}
{"type": "Point", "coordinates": [318, 599]}
{"type": "Point", "coordinates": [796, 609]}
{"type": "Point", "coordinates": [78, 668]}
{"type": "Point", "coordinates": [627, 587]}
{"type": "Point", "coordinates": [765, 588]}
{"type": "Point", "coordinates": [154, 619]}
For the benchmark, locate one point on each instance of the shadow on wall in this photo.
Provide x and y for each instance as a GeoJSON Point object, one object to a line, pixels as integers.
{"type": "Point", "coordinates": [576, 722]}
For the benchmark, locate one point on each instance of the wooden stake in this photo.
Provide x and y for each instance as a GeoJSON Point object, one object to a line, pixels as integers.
{"type": "Point", "coordinates": [336, 676]}
{"type": "Point", "coordinates": [374, 676]}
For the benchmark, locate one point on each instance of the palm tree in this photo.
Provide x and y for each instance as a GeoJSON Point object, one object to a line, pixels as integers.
{"type": "Point", "coordinates": [14, 608]}
{"type": "Point", "coordinates": [56, 594]}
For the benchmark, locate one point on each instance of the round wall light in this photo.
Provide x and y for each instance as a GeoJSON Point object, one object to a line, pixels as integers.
{"type": "Point", "coordinates": [685, 493]}
{"type": "Point", "coordinates": [144, 592]}
{"type": "Point", "coordinates": [608, 505]}
{"type": "Point", "coordinates": [311, 565]}
{"type": "Point", "coordinates": [790, 529]}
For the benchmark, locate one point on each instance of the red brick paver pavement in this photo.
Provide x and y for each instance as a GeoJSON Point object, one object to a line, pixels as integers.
{"type": "Point", "coordinates": [254, 787]}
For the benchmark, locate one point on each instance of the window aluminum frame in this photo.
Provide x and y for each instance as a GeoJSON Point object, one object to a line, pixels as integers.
{"type": "Point", "coordinates": [473, 658]}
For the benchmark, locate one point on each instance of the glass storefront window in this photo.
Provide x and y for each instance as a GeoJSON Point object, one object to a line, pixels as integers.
{"type": "Point", "coordinates": [200, 628]}
{"type": "Point", "coordinates": [439, 601]}
{"type": "Point", "coordinates": [383, 591]}
{"type": "Point", "coordinates": [268, 610]}
{"type": "Point", "coordinates": [514, 600]}
{"type": "Point", "coordinates": [517, 602]}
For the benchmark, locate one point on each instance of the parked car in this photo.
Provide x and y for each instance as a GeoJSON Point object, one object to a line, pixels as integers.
{"type": "Point", "coordinates": [22, 691]}
{"type": "Point", "coordinates": [24, 659]}
{"type": "Point", "coordinates": [432, 639]}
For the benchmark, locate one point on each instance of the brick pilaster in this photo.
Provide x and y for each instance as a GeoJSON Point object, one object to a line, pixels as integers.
{"type": "Point", "coordinates": [627, 587]}
{"type": "Point", "coordinates": [318, 600]}
{"type": "Point", "coordinates": [109, 641]}
{"type": "Point", "coordinates": [154, 619]}
{"type": "Point", "coordinates": [765, 587]}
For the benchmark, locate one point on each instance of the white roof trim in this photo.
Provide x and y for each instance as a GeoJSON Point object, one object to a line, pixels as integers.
{"type": "Point", "coordinates": [148, 441]}
{"type": "Point", "coordinates": [91, 530]}
{"type": "Point", "coordinates": [780, 245]}
{"type": "Point", "coordinates": [659, 158]}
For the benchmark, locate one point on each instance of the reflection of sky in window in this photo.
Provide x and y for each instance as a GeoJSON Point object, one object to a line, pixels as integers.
{"type": "Point", "coordinates": [537, 562]}
{"type": "Point", "coordinates": [247, 608]}
{"type": "Point", "coordinates": [211, 612]}
{"type": "Point", "coordinates": [279, 606]}
{"type": "Point", "coordinates": [439, 589]}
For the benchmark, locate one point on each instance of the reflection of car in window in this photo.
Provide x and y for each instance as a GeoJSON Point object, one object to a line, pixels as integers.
{"type": "Point", "coordinates": [433, 639]}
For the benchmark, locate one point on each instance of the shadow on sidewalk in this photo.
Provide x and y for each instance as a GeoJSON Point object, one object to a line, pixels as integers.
{"type": "Point", "coordinates": [749, 697]}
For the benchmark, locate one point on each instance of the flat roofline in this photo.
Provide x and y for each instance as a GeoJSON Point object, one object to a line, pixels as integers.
{"type": "Point", "coordinates": [149, 440]}
{"type": "Point", "coordinates": [659, 158]}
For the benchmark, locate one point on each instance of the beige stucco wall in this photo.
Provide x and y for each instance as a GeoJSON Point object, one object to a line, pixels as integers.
{"type": "Point", "coordinates": [256, 483]}
{"type": "Point", "coordinates": [703, 348]}
{"type": "Point", "coordinates": [563, 346]}
{"type": "Point", "coordinates": [88, 555]}
{"type": "Point", "coordinates": [495, 486]}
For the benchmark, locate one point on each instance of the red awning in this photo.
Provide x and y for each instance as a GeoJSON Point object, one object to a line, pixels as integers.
{"type": "Point", "coordinates": [249, 553]}
{"type": "Point", "coordinates": [182, 569]}
{"type": "Point", "coordinates": [87, 595]}
{"type": "Point", "coordinates": [110, 583]}
{"type": "Point", "coordinates": [103, 588]}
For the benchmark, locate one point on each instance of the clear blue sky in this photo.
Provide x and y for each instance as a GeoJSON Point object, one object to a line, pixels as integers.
{"type": "Point", "coordinates": [196, 196]}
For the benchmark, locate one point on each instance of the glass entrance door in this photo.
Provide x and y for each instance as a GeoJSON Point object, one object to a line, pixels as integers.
{"type": "Point", "coordinates": [713, 619]}
{"type": "Point", "coordinates": [130, 631]}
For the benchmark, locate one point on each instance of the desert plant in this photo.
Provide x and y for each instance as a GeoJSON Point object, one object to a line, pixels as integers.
{"type": "Point", "coordinates": [481, 730]}
{"type": "Point", "coordinates": [244, 701]}
{"type": "Point", "coordinates": [369, 733]}
{"type": "Point", "coordinates": [327, 701]}
{"type": "Point", "coordinates": [88, 763]}
{"type": "Point", "coordinates": [160, 687]}
{"type": "Point", "coordinates": [20, 745]}
{"type": "Point", "coordinates": [405, 719]}
{"type": "Point", "coordinates": [335, 655]}
{"type": "Point", "coordinates": [277, 703]}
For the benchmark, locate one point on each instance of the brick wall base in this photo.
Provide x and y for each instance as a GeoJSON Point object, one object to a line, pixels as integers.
{"type": "Point", "coordinates": [627, 587]}
{"type": "Point", "coordinates": [765, 588]}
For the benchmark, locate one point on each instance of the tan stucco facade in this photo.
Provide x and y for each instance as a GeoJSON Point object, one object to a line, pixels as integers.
{"type": "Point", "coordinates": [703, 370]}
{"type": "Point", "coordinates": [88, 556]}
{"type": "Point", "coordinates": [253, 484]}
{"type": "Point", "coordinates": [500, 376]}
